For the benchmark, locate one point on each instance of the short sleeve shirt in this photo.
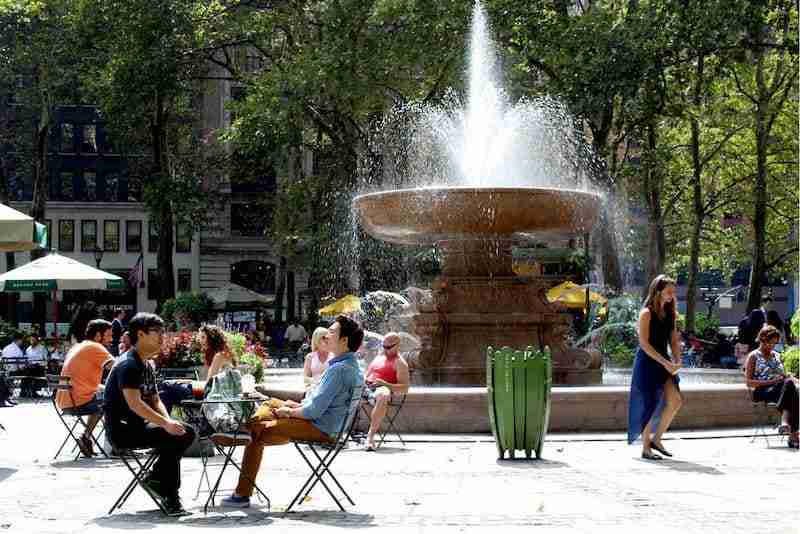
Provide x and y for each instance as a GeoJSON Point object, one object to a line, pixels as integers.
{"type": "Point", "coordinates": [84, 365]}
{"type": "Point", "coordinates": [130, 372]}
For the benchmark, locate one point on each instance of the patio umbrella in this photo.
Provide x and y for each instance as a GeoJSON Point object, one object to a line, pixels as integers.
{"type": "Point", "coordinates": [573, 296]}
{"type": "Point", "coordinates": [346, 304]}
{"type": "Point", "coordinates": [55, 272]}
{"type": "Point", "coordinates": [19, 232]}
{"type": "Point", "coordinates": [235, 295]}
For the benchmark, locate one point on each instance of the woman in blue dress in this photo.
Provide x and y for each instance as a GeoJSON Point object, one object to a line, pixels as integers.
{"type": "Point", "coordinates": [655, 396]}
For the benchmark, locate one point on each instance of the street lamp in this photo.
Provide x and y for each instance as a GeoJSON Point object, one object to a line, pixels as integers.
{"type": "Point", "coordinates": [98, 255]}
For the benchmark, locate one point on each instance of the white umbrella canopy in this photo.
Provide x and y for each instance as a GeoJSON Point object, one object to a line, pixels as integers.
{"type": "Point", "coordinates": [58, 272]}
{"type": "Point", "coordinates": [19, 232]}
{"type": "Point", "coordinates": [236, 295]}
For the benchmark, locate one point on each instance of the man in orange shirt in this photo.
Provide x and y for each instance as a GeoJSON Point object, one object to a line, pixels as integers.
{"type": "Point", "coordinates": [84, 365]}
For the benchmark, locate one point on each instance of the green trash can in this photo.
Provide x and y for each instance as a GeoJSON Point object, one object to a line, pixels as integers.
{"type": "Point", "coordinates": [518, 393]}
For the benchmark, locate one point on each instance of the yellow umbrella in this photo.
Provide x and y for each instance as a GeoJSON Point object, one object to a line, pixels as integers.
{"type": "Point", "coordinates": [346, 304]}
{"type": "Point", "coordinates": [572, 295]}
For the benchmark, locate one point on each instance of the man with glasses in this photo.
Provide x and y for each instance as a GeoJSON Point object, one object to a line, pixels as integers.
{"type": "Point", "coordinates": [386, 374]}
{"type": "Point", "coordinates": [135, 417]}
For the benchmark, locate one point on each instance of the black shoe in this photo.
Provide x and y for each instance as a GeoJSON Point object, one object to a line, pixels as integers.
{"type": "Point", "coordinates": [661, 449]}
{"type": "Point", "coordinates": [154, 487]}
{"type": "Point", "coordinates": [174, 507]}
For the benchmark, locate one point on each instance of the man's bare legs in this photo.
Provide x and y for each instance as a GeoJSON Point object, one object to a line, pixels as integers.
{"type": "Point", "coordinates": [382, 397]}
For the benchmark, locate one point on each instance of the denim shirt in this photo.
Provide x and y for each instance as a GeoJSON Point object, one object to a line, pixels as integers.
{"type": "Point", "coordinates": [326, 405]}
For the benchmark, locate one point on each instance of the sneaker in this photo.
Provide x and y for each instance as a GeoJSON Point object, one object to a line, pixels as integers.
{"type": "Point", "coordinates": [174, 507]}
{"type": "Point", "coordinates": [231, 439]}
{"type": "Point", "coordinates": [234, 501]}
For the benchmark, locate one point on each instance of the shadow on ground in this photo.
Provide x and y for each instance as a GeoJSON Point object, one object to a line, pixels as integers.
{"type": "Point", "coordinates": [238, 518]}
{"type": "Point", "coordinates": [530, 463]}
{"type": "Point", "coordinates": [6, 472]}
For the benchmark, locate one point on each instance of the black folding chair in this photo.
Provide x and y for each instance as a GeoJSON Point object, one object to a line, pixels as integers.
{"type": "Point", "coordinates": [58, 383]}
{"type": "Point", "coordinates": [393, 408]}
{"type": "Point", "coordinates": [324, 462]}
{"type": "Point", "coordinates": [140, 470]}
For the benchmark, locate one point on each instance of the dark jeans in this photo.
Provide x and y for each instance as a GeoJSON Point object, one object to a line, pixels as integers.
{"type": "Point", "coordinates": [167, 469]}
{"type": "Point", "coordinates": [5, 389]}
{"type": "Point", "coordinates": [784, 395]}
{"type": "Point", "coordinates": [172, 394]}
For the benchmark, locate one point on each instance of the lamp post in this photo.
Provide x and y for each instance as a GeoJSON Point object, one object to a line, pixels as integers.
{"type": "Point", "coordinates": [98, 255]}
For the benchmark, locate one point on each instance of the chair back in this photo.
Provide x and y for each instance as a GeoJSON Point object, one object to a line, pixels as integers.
{"type": "Point", "coordinates": [56, 383]}
{"type": "Point", "coordinates": [347, 425]}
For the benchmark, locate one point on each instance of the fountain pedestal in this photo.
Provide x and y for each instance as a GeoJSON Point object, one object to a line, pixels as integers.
{"type": "Point", "coordinates": [468, 314]}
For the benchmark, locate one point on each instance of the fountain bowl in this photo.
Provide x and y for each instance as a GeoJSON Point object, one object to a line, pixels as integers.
{"type": "Point", "coordinates": [430, 215]}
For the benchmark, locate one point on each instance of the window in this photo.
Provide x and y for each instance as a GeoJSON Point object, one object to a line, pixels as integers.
{"type": "Point", "coordinates": [49, 224]}
{"type": "Point", "coordinates": [184, 280]}
{"type": "Point", "coordinates": [89, 145]}
{"type": "Point", "coordinates": [88, 236]}
{"type": "Point", "coordinates": [153, 286]}
{"type": "Point", "coordinates": [67, 137]}
{"type": "Point", "coordinates": [111, 236]}
{"type": "Point", "coordinates": [66, 187]}
{"type": "Point", "coordinates": [112, 187]}
{"type": "Point", "coordinates": [90, 186]}
{"type": "Point", "coordinates": [133, 236]}
{"type": "Point", "coordinates": [66, 236]}
{"type": "Point", "coordinates": [255, 275]}
{"type": "Point", "coordinates": [152, 237]}
{"type": "Point", "coordinates": [183, 238]}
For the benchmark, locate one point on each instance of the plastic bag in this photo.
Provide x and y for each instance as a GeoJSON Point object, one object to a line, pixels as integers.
{"type": "Point", "coordinates": [225, 417]}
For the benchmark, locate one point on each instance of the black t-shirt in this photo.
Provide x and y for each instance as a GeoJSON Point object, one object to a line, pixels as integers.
{"type": "Point", "coordinates": [130, 372]}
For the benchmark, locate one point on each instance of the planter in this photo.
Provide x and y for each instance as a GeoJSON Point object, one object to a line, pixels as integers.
{"type": "Point", "coordinates": [518, 398]}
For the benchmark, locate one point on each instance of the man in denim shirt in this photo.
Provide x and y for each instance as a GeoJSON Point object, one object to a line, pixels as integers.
{"type": "Point", "coordinates": [318, 418]}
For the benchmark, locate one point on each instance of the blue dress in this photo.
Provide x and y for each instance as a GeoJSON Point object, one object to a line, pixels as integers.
{"type": "Point", "coordinates": [646, 399]}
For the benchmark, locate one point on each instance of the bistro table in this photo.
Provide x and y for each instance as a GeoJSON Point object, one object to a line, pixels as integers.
{"type": "Point", "coordinates": [226, 451]}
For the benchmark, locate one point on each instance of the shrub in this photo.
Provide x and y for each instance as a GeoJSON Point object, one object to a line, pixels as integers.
{"type": "Point", "coordinates": [188, 309]}
{"type": "Point", "coordinates": [179, 351]}
{"type": "Point", "coordinates": [791, 361]}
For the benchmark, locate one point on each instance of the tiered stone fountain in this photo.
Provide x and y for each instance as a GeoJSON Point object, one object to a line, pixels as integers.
{"type": "Point", "coordinates": [478, 300]}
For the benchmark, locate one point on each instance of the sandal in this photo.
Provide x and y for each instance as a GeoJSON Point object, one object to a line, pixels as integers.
{"type": "Point", "coordinates": [661, 449]}
{"type": "Point", "coordinates": [648, 455]}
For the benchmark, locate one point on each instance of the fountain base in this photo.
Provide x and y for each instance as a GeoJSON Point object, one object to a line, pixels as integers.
{"type": "Point", "coordinates": [468, 314]}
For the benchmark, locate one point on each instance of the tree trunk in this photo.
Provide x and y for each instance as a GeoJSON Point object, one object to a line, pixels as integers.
{"type": "Point", "coordinates": [39, 204]}
{"type": "Point", "coordinates": [166, 221]}
{"type": "Point", "coordinates": [697, 197]}
{"type": "Point", "coordinates": [656, 247]}
{"type": "Point", "coordinates": [761, 131]}
{"type": "Point", "coordinates": [612, 272]}
{"type": "Point", "coordinates": [280, 289]}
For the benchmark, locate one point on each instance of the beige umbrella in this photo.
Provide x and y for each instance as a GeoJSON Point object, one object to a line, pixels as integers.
{"type": "Point", "coordinates": [234, 295]}
{"type": "Point", "coordinates": [19, 232]}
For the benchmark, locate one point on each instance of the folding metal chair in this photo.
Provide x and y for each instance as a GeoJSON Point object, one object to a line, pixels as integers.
{"type": "Point", "coordinates": [58, 383]}
{"type": "Point", "coordinates": [324, 462]}
{"type": "Point", "coordinates": [392, 411]}
{"type": "Point", "coordinates": [140, 470]}
{"type": "Point", "coordinates": [765, 415]}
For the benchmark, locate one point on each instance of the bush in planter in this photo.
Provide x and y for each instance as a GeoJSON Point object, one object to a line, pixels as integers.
{"type": "Point", "coordinates": [791, 361]}
{"type": "Point", "coordinates": [248, 354]}
{"type": "Point", "coordinates": [179, 350]}
{"type": "Point", "coordinates": [188, 309]}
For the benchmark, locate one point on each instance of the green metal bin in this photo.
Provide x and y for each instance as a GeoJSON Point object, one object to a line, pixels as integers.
{"type": "Point", "coordinates": [518, 391]}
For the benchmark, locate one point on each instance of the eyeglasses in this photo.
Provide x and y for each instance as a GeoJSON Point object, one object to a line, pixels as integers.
{"type": "Point", "coordinates": [387, 347]}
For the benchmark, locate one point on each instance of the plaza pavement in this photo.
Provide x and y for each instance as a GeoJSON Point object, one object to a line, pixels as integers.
{"type": "Point", "coordinates": [718, 482]}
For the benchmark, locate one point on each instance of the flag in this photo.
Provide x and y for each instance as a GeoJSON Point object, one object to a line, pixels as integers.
{"type": "Point", "coordinates": [136, 274]}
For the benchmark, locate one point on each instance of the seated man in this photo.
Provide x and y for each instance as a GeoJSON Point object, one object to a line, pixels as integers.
{"type": "Point", "coordinates": [386, 374]}
{"type": "Point", "coordinates": [135, 416]}
{"type": "Point", "coordinates": [12, 350]}
{"type": "Point", "coordinates": [37, 363]}
{"type": "Point", "coordinates": [84, 365]}
{"type": "Point", "coordinates": [318, 418]}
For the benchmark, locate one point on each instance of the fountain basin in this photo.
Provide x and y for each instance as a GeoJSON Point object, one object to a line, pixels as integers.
{"type": "Point", "coordinates": [431, 215]}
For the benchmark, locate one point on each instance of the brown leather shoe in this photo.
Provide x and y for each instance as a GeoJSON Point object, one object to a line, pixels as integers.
{"type": "Point", "coordinates": [85, 445]}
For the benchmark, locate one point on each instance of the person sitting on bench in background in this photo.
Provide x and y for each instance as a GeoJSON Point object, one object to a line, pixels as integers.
{"type": "Point", "coordinates": [386, 374]}
{"type": "Point", "coordinates": [84, 364]}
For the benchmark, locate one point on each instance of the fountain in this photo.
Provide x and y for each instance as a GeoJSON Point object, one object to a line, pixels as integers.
{"type": "Point", "coordinates": [484, 177]}
{"type": "Point", "coordinates": [503, 159]}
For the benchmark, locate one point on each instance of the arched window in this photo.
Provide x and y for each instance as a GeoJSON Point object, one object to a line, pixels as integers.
{"type": "Point", "coordinates": [258, 276]}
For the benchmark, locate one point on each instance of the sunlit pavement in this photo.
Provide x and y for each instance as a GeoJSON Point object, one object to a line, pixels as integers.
{"type": "Point", "coordinates": [718, 482]}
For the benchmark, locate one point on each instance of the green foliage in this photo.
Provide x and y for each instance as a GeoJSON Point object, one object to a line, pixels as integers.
{"type": "Point", "coordinates": [619, 353]}
{"type": "Point", "coordinates": [179, 351]}
{"type": "Point", "coordinates": [246, 354]}
{"type": "Point", "coordinates": [618, 336]}
{"type": "Point", "coordinates": [795, 323]}
{"type": "Point", "coordinates": [188, 309]}
{"type": "Point", "coordinates": [791, 361]}
{"type": "Point", "coordinates": [236, 343]}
